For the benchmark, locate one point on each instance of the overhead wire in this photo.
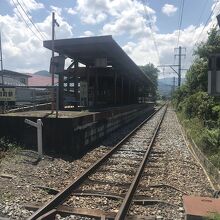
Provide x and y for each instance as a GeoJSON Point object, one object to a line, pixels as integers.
{"type": "Point", "coordinates": [28, 15]}
{"type": "Point", "coordinates": [180, 21]}
{"type": "Point", "coordinates": [206, 23]}
{"type": "Point", "coordinates": [210, 15]}
{"type": "Point", "coordinates": [25, 6]}
{"type": "Point", "coordinates": [21, 17]}
{"type": "Point", "coordinates": [147, 16]}
{"type": "Point", "coordinates": [202, 12]}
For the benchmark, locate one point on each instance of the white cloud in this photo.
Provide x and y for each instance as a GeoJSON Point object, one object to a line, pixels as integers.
{"type": "Point", "coordinates": [169, 10]}
{"type": "Point", "coordinates": [70, 11]}
{"type": "Point", "coordinates": [28, 4]}
{"type": "Point", "coordinates": [143, 50]}
{"type": "Point", "coordinates": [56, 9]}
{"type": "Point", "coordinates": [130, 19]}
{"type": "Point", "coordinates": [88, 33]}
{"type": "Point", "coordinates": [126, 25]}
{"type": "Point", "coordinates": [92, 13]}
{"type": "Point", "coordinates": [94, 18]}
{"type": "Point", "coordinates": [22, 50]}
{"type": "Point", "coordinates": [100, 10]}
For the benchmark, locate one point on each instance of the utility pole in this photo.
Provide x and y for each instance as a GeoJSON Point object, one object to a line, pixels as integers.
{"type": "Point", "coordinates": [174, 84]}
{"type": "Point", "coordinates": [180, 54]}
{"type": "Point", "coordinates": [1, 59]}
{"type": "Point", "coordinates": [54, 22]}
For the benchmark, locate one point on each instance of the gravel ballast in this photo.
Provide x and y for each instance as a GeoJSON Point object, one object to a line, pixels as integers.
{"type": "Point", "coordinates": [171, 173]}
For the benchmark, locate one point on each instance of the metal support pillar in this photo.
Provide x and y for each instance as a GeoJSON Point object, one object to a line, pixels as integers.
{"type": "Point", "coordinates": [179, 69]}
{"type": "Point", "coordinates": [115, 88]}
{"type": "Point", "coordinates": [96, 88]}
{"type": "Point", "coordinates": [134, 92]}
{"type": "Point", "coordinates": [129, 92]}
{"type": "Point", "coordinates": [88, 84]}
{"type": "Point", "coordinates": [122, 90]}
{"type": "Point", "coordinates": [76, 81]}
{"type": "Point", "coordinates": [61, 91]}
{"type": "Point", "coordinates": [181, 53]}
{"type": "Point", "coordinates": [68, 83]}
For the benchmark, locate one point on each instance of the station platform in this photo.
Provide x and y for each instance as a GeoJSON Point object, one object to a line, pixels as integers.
{"type": "Point", "coordinates": [73, 132]}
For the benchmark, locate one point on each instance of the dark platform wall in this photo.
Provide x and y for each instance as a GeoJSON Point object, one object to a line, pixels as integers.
{"type": "Point", "coordinates": [70, 135]}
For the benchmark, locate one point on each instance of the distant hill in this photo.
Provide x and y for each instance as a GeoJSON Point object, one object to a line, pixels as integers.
{"type": "Point", "coordinates": [165, 85]}
{"type": "Point", "coordinates": [42, 73]}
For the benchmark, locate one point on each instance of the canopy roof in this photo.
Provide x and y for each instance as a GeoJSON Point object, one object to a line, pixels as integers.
{"type": "Point", "coordinates": [87, 49]}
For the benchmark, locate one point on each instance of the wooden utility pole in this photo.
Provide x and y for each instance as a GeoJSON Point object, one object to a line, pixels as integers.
{"type": "Point", "coordinates": [1, 59]}
{"type": "Point", "coordinates": [54, 22]}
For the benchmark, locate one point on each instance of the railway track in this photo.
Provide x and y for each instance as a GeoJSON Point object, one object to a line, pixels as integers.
{"type": "Point", "coordinates": [111, 181]}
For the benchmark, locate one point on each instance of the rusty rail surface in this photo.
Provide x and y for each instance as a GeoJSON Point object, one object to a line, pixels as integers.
{"type": "Point", "coordinates": [129, 196]}
{"type": "Point", "coordinates": [48, 211]}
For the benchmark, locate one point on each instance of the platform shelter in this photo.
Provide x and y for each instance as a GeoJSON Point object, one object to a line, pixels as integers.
{"type": "Point", "coordinates": [101, 73]}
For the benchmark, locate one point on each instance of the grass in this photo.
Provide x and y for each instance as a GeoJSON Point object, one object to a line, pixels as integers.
{"type": "Point", "coordinates": [215, 216]}
{"type": "Point", "coordinates": [8, 148]}
{"type": "Point", "coordinates": [203, 137]}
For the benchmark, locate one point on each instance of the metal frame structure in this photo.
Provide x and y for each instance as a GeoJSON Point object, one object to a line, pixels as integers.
{"type": "Point", "coordinates": [111, 76]}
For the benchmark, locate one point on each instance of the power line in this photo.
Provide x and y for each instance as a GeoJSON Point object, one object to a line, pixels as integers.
{"type": "Point", "coordinates": [28, 16]}
{"type": "Point", "coordinates": [198, 22]}
{"type": "Point", "coordinates": [180, 21]}
{"type": "Point", "coordinates": [210, 15]}
{"type": "Point", "coordinates": [147, 15]}
{"type": "Point", "coordinates": [24, 4]}
{"type": "Point", "coordinates": [21, 16]}
{"type": "Point", "coordinates": [202, 12]}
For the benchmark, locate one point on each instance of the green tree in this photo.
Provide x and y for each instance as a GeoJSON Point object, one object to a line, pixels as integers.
{"type": "Point", "coordinates": [212, 45]}
{"type": "Point", "coordinates": [197, 76]}
{"type": "Point", "coordinates": [201, 111]}
{"type": "Point", "coordinates": [152, 73]}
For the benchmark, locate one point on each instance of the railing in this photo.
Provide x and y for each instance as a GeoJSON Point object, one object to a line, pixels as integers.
{"type": "Point", "coordinates": [20, 98]}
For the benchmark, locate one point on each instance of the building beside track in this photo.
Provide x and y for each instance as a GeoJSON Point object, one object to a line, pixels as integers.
{"type": "Point", "coordinates": [15, 89]}
{"type": "Point", "coordinates": [100, 74]}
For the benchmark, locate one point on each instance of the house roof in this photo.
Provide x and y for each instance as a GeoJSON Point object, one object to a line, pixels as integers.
{"type": "Point", "coordinates": [13, 73]}
{"type": "Point", "coordinates": [37, 80]}
{"type": "Point", "coordinates": [87, 49]}
{"type": "Point", "coordinates": [10, 81]}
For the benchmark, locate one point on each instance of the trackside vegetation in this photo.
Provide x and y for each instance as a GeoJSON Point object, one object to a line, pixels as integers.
{"type": "Point", "coordinates": [198, 111]}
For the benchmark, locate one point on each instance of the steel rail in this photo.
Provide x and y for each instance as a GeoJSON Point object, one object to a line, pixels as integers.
{"type": "Point", "coordinates": [66, 192]}
{"type": "Point", "coordinates": [129, 195]}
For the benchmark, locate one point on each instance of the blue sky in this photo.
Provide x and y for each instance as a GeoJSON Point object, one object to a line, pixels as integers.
{"type": "Point", "coordinates": [126, 20]}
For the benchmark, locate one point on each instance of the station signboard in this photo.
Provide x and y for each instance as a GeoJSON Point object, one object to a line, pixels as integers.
{"type": "Point", "coordinates": [57, 64]}
{"type": "Point", "coordinates": [7, 94]}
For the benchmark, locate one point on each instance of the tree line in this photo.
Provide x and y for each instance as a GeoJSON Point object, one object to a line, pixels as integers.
{"type": "Point", "coordinates": [199, 111]}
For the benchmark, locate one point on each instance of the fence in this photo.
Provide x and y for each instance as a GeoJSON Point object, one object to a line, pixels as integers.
{"type": "Point", "coordinates": [20, 98]}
